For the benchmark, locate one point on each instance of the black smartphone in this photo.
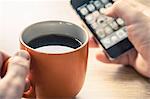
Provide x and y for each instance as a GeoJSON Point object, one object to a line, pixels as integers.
{"type": "Point", "coordinates": [109, 32]}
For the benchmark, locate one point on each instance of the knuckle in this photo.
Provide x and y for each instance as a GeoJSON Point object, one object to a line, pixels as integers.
{"type": "Point", "coordinates": [17, 83]}
{"type": "Point", "coordinates": [13, 81]}
{"type": "Point", "coordinates": [18, 67]}
{"type": "Point", "coordinates": [18, 74]}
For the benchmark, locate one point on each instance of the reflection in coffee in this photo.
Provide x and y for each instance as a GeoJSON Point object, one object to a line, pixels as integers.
{"type": "Point", "coordinates": [54, 43]}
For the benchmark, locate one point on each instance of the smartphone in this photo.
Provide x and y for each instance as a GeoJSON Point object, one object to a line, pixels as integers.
{"type": "Point", "coordinates": [109, 32]}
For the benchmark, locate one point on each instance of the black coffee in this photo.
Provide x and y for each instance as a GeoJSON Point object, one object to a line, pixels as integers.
{"type": "Point", "coordinates": [54, 43]}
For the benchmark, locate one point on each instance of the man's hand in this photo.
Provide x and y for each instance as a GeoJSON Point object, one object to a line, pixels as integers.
{"type": "Point", "coordinates": [13, 83]}
{"type": "Point", "coordinates": [138, 28]}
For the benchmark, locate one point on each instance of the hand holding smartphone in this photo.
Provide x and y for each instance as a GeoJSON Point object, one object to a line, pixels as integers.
{"type": "Point", "coordinates": [109, 32]}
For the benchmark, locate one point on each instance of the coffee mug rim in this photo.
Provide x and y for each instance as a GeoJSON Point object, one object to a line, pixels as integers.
{"type": "Point", "coordinates": [56, 21]}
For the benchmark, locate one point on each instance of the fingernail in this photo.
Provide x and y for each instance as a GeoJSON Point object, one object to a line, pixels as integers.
{"type": "Point", "coordinates": [106, 11]}
{"type": "Point", "coordinates": [23, 54]}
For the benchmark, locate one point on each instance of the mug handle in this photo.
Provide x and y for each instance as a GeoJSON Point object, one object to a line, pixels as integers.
{"type": "Point", "coordinates": [28, 92]}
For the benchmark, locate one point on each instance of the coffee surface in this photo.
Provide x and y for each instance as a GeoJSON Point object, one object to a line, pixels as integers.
{"type": "Point", "coordinates": [54, 43]}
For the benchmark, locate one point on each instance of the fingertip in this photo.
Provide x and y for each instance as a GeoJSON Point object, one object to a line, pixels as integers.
{"type": "Point", "coordinates": [102, 57]}
{"type": "Point", "coordinates": [115, 10]}
{"type": "Point", "coordinates": [23, 54]}
{"type": "Point", "coordinates": [110, 11]}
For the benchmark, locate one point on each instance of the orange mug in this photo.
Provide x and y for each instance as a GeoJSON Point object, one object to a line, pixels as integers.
{"type": "Point", "coordinates": [55, 74]}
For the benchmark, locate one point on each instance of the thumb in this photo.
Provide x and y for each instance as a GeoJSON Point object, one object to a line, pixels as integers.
{"type": "Point", "coordinates": [127, 10]}
{"type": "Point", "coordinates": [18, 67]}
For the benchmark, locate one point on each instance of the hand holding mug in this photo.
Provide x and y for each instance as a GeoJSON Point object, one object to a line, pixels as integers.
{"type": "Point", "coordinates": [13, 83]}
{"type": "Point", "coordinates": [59, 52]}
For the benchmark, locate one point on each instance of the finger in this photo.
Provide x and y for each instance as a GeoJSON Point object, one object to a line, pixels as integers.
{"type": "Point", "coordinates": [93, 43]}
{"type": "Point", "coordinates": [124, 10]}
{"type": "Point", "coordinates": [18, 67]}
{"type": "Point", "coordinates": [105, 59]}
{"type": "Point", "coordinates": [126, 58]}
{"type": "Point", "coordinates": [101, 56]}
